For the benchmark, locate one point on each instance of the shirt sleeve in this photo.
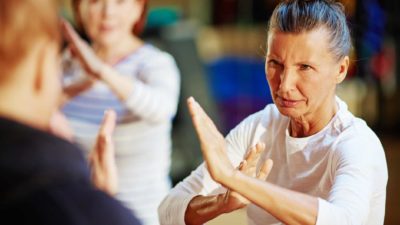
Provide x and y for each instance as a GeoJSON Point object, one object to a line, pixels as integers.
{"type": "Point", "coordinates": [358, 169]}
{"type": "Point", "coordinates": [155, 98]}
{"type": "Point", "coordinates": [172, 209]}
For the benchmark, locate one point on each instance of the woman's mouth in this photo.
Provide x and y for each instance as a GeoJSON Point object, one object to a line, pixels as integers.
{"type": "Point", "coordinates": [288, 103]}
{"type": "Point", "coordinates": [105, 28]}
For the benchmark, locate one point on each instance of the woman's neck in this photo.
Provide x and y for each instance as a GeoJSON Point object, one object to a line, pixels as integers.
{"type": "Point", "coordinates": [305, 126]}
{"type": "Point", "coordinates": [13, 106]}
{"type": "Point", "coordinates": [114, 52]}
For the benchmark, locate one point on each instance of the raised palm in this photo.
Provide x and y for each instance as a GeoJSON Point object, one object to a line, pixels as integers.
{"type": "Point", "coordinates": [219, 166]}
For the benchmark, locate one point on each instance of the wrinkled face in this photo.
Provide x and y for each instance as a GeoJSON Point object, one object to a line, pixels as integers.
{"type": "Point", "coordinates": [302, 72]}
{"type": "Point", "coordinates": [108, 21]}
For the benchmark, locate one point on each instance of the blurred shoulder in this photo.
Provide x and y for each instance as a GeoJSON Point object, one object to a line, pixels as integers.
{"type": "Point", "coordinates": [151, 55]}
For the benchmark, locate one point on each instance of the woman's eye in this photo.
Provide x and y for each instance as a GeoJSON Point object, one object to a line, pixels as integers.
{"type": "Point", "coordinates": [273, 63]}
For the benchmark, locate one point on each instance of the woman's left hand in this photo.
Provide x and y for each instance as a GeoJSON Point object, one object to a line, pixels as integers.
{"type": "Point", "coordinates": [212, 143]}
{"type": "Point", "coordinates": [248, 166]}
{"type": "Point", "coordinates": [91, 63]}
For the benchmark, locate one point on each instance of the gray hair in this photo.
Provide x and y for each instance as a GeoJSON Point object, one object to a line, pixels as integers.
{"type": "Point", "coordinates": [296, 16]}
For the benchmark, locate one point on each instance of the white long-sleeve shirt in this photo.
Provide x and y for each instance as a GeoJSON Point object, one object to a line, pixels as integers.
{"type": "Point", "coordinates": [143, 133]}
{"type": "Point", "coordinates": [344, 165]}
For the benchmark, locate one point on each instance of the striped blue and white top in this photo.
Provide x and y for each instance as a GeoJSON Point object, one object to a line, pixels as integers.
{"type": "Point", "coordinates": [143, 133]}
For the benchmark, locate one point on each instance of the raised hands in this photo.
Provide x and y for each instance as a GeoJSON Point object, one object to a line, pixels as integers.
{"type": "Point", "coordinates": [214, 152]}
{"type": "Point", "coordinates": [102, 157]}
{"type": "Point", "coordinates": [91, 63]}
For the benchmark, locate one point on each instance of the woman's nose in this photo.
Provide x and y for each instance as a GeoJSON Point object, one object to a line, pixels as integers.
{"type": "Point", "coordinates": [108, 8]}
{"type": "Point", "coordinates": [287, 81]}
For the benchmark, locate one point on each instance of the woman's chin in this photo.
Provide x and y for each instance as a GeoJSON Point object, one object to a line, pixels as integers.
{"type": "Point", "coordinates": [289, 111]}
{"type": "Point", "coordinates": [107, 40]}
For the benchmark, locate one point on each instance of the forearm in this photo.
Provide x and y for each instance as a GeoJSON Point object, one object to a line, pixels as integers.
{"type": "Point", "coordinates": [202, 209]}
{"type": "Point", "coordinates": [288, 206]}
{"type": "Point", "coordinates": [73, 90]}
{"type": "Point", "coordinates": [120, 85]}
{"type": "Point", "coordinates": [156, 103]}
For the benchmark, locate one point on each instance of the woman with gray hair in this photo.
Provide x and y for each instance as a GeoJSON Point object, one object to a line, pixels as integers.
{"type": "Point", "coordinates": [329, 166]}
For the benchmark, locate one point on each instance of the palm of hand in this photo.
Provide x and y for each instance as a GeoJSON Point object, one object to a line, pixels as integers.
{"type": "Point", "coordinates": [83, 52]}
{"type": "Point", "coordinates": [102, 158]}
{"type": "Point", "coordinates": [219, 166]}
{"type": "Point", "coordinates": [212, 143]}
{"type": "Point", "coordinates": [248, 166]}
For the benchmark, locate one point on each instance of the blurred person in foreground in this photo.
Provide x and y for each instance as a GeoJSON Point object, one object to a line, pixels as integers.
{"type": "Point", "coordinates": [329, 166]}
{"type": "Point", "coordinates": [120, 71]}
{"type": "Point", "coordinates": [44, 178]}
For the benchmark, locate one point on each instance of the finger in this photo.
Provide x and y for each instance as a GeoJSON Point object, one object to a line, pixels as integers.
{"type": "Point", "coordinates": [66, 30]}
{"type": "Point", "coordinates": [69, 32]}
{"type": "Point", "coordinates": [198, 112]}
{"type": "Point", "coordinates": [255, 153]}
{"type": "Point", "coordinates": [205, 128]}
{"type": "Point", "coordinates": [105, 148]}
{"type": "Point", "coordinates": [251, 154]}
{"type": "Point", "coordinates": [76, 42]}
{"type": "Point", "coordinates": [265, 169]}
{"type": "Point", "coordinates": [108, 124]}
{"type": "Point", "coordinates": [243, 165]}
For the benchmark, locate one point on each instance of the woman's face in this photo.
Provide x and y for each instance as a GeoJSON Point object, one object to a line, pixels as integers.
{"type": "Point", "coordinates": [107, 22]}
{"type": "Point", "coordinates": [303, 73]}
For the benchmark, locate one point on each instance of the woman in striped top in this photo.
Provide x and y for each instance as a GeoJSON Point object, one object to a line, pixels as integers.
{"type": "Point", "coordinates": [140, 82]}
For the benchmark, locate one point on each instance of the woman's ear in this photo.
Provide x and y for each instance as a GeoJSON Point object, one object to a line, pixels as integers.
{"type": "Point", "coordinates": [343, 68]}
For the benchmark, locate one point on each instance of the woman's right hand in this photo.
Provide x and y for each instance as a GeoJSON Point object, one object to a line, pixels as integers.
{"type": "Point", "coordinates": [202, 209]}
{"type": "Point", "coordinates": [232, 199]}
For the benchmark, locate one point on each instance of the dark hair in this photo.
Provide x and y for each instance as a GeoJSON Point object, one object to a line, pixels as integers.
{"type": "Point", "coordinates": [296, 16]}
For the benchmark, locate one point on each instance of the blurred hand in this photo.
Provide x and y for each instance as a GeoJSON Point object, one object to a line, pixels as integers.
{"type": "Point", "coordinates": [90, 62]}
{"type": "Point", "coordinates": [102, 157]}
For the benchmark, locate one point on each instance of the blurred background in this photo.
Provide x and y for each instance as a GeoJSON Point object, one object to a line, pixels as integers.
{"type": "Point", "coordinates": [219, 46]}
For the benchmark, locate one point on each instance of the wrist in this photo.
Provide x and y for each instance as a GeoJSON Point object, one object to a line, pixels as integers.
{"type": "Point", "coordinates": [222, 204]}
{"type": "Point", "coordinates": [102, 72]}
